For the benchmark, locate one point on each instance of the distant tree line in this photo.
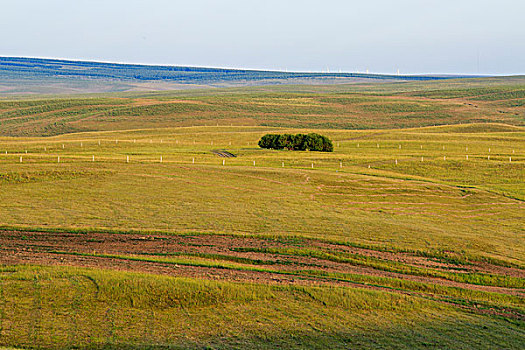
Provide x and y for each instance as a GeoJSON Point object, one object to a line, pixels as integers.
{"type": "Point", "coordinates": [298, 142]}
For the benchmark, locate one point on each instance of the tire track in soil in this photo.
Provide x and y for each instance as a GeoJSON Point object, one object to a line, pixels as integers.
{"type": "Point", "coordinates": [35, 247]}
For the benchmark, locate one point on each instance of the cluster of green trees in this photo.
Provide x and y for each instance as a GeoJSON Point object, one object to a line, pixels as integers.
{"type": "Point", "coordinates": [298, 142]}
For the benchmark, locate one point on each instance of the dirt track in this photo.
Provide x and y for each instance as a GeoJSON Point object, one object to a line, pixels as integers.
{"type": "Point", "coordinates": [18, 247]}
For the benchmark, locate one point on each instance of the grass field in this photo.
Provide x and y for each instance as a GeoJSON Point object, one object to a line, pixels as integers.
{"type": "Point", "coordinates": [134, 234]}
{"type": "Point", "coordinates": [353, 106]}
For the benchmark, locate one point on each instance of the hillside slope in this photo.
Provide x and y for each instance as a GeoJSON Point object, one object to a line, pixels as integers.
{"type": "Point", "coordinates": [35, 75]}
{"type": "Point", "coordinates": [350, 106]}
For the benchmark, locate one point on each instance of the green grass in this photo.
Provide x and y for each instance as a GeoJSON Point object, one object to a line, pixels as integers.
{"type": "Point", "coordinates": [380, 264]}
{"type": "Point", "coordinates": [58, 306]}
{"type": "Point", "coordinates": [394, 183]}
{"type": "Point", "coordinates": [372, 106]}
{"type": "Point", "coordinates": [453, 204]}
{"type": "Point", "coordinates": [433, 291]}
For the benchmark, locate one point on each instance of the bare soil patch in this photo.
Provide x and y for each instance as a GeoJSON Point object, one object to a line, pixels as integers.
{"type": "Point", "coordinates": [84, 249]}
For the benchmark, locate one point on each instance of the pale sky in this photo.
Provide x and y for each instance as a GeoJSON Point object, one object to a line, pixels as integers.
{"type": "Point", "coordinates": [414, 36]}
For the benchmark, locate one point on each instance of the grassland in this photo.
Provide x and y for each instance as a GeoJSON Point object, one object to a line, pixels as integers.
{"type": "Point", "coordinates": [365, 106]}
{"type": "Point", "coordinates": [134, 234]}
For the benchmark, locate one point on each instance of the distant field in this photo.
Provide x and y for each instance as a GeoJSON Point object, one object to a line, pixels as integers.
{"type": "Point", "coordinates": [20, 75]}
{"type": "Point", "coordinates": [136, 235]}
{"type": "Point", "coordinates": [334, 107]}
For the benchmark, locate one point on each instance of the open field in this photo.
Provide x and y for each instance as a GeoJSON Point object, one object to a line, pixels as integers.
{"type": "Point", "coordinates": [363, 106]}
{"type": "Point", "coordinates": [22, 75]}
{"type": "Point", "coordinates": [340, 198]}
{"type": "Point", "coordinates": [145, 233]}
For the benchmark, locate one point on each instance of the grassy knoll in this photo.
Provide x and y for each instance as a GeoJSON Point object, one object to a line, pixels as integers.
{"type": "Point", "coordinates": [57, 307]}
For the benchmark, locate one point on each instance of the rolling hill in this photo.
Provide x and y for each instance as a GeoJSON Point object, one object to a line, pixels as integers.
{"type": "Point", "coordinates": [45, 76]}
{"type": "Point", "coordinates": [122, 227]}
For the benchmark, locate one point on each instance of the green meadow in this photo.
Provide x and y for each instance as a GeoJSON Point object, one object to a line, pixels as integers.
{"type": "Point", "coordinates": [409, 235]}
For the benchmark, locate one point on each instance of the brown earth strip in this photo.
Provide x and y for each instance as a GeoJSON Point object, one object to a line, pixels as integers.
{"type": "Point", "coordinates": [18, 247]}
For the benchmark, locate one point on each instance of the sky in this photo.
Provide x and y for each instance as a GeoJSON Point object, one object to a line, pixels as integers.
{"type": "Point", "coordinates": [382, 36]}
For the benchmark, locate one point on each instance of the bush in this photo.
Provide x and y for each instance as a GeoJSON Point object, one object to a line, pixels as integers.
{"type": "Point", "coordinates": [298, 142]}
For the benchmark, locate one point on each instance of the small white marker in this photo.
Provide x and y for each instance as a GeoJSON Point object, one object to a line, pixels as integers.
{"type": "Point", "coordinates": [444, 157]}
{"type": "Point", "coordinates": [99, 142]}
{"type": "Point", "coordinates": [399, 146]}
{"type": "Point", "coordinates": [282, 164]}
{"type": "Point", "coordinates": [467, 156]}
{"type": "Point", "coordinates": [396, 161]}
{"type": "Point", "coordinates": [312, 165]}
{"type": "Point", "coordinates": [510, 159]}
{"type": "Point", "coordinates": [161, 159]}
{"type": "Point", "coordinates": [81, 145]}
{"type": "Point", "coordinates": [421, 158]}
{"type": "Point", "coordinates": [489, 150]}
{"type": "Point", "coordinates": [62, 146]}
{"type": "Point", "coordinates": [378, 145]}
{"type": "Point", "coordinates": [127, 159]}
{"type": "Point", "coordinates": [488, 157]}
{"type": "Point", "coordinates": [58, 159]}
{"type": "Point", "coordinates": [20, 159]}
{"type": "Point", "coordinates": [369, 166]}
{"type": "Point", "coordinates": [93, 158]}
{"type": "Point", "coordinates": [254, 163]}
{"type": "Point", "coordinates": [193, 161]}
{"type": "Point", "coordinates": [340, 164]}
{"type": "Point", "coordinates": [223, 162]}
{"type": "Point", "coordinates": [421, 146]}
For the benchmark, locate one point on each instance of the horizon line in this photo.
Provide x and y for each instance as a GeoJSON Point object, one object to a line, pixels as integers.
{"type": "Point", "coordinates": [260, 69]}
